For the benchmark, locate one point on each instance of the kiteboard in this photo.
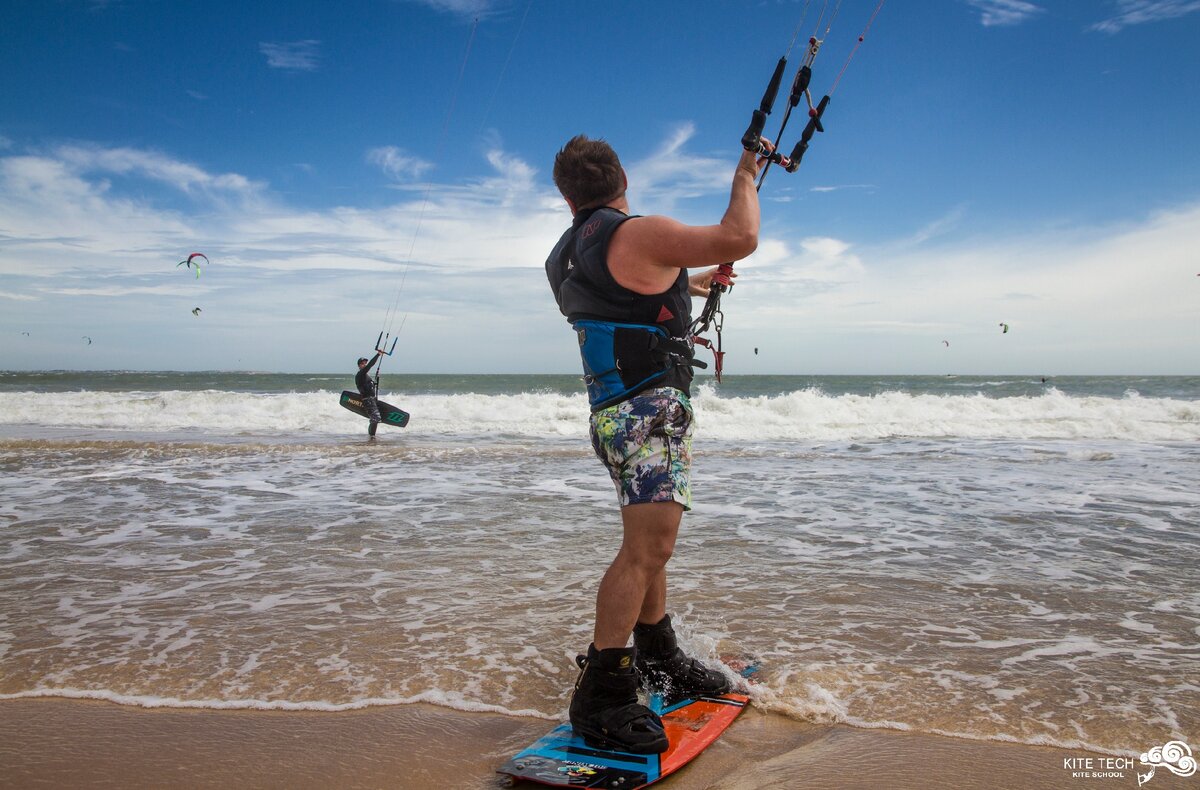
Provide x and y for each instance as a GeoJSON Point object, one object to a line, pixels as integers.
{"type": "Point", "coordinates": [390, 414]}
{"type": "Point", "coordinates": [563, 759]}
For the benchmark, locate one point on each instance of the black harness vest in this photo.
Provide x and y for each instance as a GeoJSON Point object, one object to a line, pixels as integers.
{"type": "Point", "coordinates": [629, 342]}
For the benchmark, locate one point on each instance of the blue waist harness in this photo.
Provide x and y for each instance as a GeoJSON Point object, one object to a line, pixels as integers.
{"type": "Point", "coordinates": [619, 360]}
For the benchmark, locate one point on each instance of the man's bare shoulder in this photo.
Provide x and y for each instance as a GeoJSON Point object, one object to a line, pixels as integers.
{"type": "Point", "coordinates": [644, 229]}
{"type": "Point", "coordinates": [657, 240]}
{"type": "Point", "coordinates": [639, 253]}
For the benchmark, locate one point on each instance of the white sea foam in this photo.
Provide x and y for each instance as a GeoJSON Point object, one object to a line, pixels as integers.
{"type": "Point", "coordinates": [800, 415]}
{"type": "Point", "coordinates": [1012, 589]}
{"type": "Point", "coordinates": [441, 698]}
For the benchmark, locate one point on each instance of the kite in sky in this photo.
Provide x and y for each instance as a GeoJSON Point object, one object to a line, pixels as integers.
{"type": "Point", "coordinates": [192, 263]}
{"type": "Point", "coordinates": [1004, 327]}
{"type": "Point", "coordinates": [196, 311]}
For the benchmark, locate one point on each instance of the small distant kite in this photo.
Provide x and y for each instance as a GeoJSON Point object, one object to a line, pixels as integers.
{"type": "Point", "coordinates": [88, 339]}
{"type": "Point", "coordinates": [1004, 328]}
{"type": "Point", "coordinates": [195, 311]}
{"type": "Point", "coordinates": [25, 333]}
{"type": "Point", "coordinates": [756, 351]}
{"type": "Point", "coordinates": [192, 263]}
{"type": "Point", "coordinates": [947, 343]}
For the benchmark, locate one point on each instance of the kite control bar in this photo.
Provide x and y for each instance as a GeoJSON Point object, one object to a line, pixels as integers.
{"type": "Point", "coordinates": [752, 141]}
{"type": "Point", "coordinates": [380, 342]}
{"type": "Point", "coordinates": [380, 345]}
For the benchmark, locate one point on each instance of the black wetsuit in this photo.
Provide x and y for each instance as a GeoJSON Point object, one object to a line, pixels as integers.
{"type": "Point", "coordinates": [366, 388]}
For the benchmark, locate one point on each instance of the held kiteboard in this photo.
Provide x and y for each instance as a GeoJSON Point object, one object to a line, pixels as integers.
{"type": "Point", "coordinates": [561, 759]}
{"type": "Point", "coordinates": [390, 414]}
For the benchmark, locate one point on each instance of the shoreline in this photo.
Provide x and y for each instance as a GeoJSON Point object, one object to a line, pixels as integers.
{"type": "Point", "coordinates": [55, 742]}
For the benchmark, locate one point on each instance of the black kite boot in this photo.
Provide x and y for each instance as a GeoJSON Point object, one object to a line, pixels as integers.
{"type": "Point", "coordinates": [667, 669]}
{"type": "Point", "coordinates": [605, 710]}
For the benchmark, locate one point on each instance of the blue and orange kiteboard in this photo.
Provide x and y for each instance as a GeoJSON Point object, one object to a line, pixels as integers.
{"type": "Point", "coordinates": [562, 759]}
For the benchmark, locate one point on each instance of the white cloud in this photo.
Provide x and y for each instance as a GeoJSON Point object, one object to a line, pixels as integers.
{"type": "Point", "coordinates": [291, 55]}
{"type": "Point", "coordinates": [938, 227]}
{"type": "Point", "coordinates": [469, 257]}
{"type": "Point", "coordinates": [42, 199]}
{"type": "Point", "coordinates": [816, 262]}
{"type": "Point", "coordinates": [839, 187]}
{"type": "Point", "coordinates": [398, 164]}
{"type": "Point", "coordinates": [1075, 302]}
{"type": "Point", "coordinates": [467, 9]}
{"type": "Point", "coordinates": [1004, 12]}
{"type": "Point", "coordinates": [117, 290]}
{"type": "Point", "coordinates": [511, 169]}
{"type": "Point", "coordinates": [152, 165]}
{"type": "Point", "coordinates": [672, 173]}
{"type": "Point", "coordinates": [1138, 12]}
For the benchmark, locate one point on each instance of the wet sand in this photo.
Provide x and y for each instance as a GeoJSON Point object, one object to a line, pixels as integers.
{"type": "Point", "coordinates": [80, 744]}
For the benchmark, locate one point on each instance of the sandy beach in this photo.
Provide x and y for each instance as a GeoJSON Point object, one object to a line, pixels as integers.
{"type": "Point", "coordinates": [77, 744]}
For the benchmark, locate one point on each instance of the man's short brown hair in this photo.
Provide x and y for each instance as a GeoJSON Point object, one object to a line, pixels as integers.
{"type": "Point", "coordinates": [588, 172]}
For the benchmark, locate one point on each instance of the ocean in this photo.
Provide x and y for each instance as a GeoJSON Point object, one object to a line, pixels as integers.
{"type": "Point", "coordinates": [1002, 558]}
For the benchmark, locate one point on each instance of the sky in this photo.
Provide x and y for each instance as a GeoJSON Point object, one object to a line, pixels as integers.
{"type": "Point", "coordinates": [385, 165]}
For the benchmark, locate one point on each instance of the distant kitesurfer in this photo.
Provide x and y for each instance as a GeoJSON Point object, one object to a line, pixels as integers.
{"type": "Point", "coordinates": [622, 283]}
{"type": "Point", "coordinates": [366, 388]}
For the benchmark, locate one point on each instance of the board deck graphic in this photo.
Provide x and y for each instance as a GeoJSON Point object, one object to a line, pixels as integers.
{"type": "Point", "coordinates": [390, 414]}
{"type": "Point", "coordinates": [560, 759]}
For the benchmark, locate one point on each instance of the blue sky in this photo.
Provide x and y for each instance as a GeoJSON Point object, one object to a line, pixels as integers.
{"type": "Point", "coordinates": [352, 166]}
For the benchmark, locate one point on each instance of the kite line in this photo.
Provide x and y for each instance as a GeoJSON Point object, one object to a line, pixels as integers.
{"type": "Point", "coordinates": [389, 320]}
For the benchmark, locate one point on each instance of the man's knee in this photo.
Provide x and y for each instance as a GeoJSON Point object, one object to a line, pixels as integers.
{"type": "Point", "coordinates": [657, 555]}
{"type": "Point", "coordinates": [650, 531]}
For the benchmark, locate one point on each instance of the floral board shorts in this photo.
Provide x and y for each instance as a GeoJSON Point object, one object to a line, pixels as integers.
{"type": "Point", "coordinates": [646, 445]}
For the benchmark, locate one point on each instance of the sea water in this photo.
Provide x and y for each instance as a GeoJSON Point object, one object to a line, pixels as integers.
{"type": "Point", "coordinates": [1002, 558]}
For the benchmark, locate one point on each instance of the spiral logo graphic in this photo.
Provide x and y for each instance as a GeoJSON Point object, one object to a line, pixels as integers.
{"type": "Point", "coordinates": [1175, 756]}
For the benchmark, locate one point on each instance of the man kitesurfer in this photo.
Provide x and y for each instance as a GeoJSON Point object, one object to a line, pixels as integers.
{"type": "Point", "coordinates": [622, 283]}
{"type": "Point", "coordinates": [366, 388]}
